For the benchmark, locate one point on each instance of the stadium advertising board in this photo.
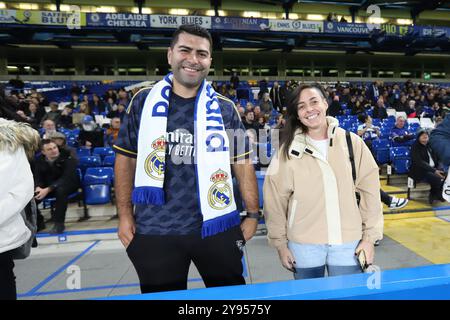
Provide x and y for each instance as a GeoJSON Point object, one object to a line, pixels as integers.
{"type": "Point", "coordinates": [395, 30]}
{"type": "Point", "coordinates": [296, 26]}
{"type": "Point", "coordinates": [50, 18]}
{"type": "Point", "coordinates": [433, 31]}
{"type": "Point", "coordinates": [234, 23]}
{"type": "Point", "coordinates": [346, 28]}
{"type": "Point", "coordinates": [8, 16]}
{"type": "Point", "coordinates": [120, 20]}
{"type": "Point", "coordinates": [167, 21]}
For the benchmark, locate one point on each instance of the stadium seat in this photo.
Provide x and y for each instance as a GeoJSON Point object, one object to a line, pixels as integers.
{"type": "Point", "coordinates": [99, 175]}
{"type": "Point", "coordinates": [97, 185]}
{"type": "Point", "coordinates": [83, 152]}
{"type": "Point", "coordinates": [102, 152]}
{"type": "Point", "coordinates": [400, 159]}
{"type": "Point", "coordinates": [89, 161]}
{"type": "Point", "coordinates": [380, 148]}
{"type": "Point", "coordinates": [109, 161]}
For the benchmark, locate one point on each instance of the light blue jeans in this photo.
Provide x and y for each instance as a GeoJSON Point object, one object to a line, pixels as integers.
{"type": "Point", "coordinates": [311, 259]}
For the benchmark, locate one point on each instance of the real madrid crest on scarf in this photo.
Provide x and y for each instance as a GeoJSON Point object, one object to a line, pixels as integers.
{"type": "Point", "coordinates": [219, 195]}
{"type": "Point", "coordinates": [212, 158]}
{"type": "Point", "coordinates": [155, 162]}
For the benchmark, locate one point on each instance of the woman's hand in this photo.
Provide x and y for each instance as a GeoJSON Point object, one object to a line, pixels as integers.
{"type": "Point", "coordinates": [369, 250]}
{"type": "Point", "coordinates": [287, 259]}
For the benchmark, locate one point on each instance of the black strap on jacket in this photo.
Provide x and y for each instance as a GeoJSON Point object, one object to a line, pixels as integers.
{"type": "Point", "coordinates": [352, 161]}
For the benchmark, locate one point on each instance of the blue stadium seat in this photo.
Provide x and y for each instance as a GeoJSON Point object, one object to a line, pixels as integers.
{"type": "Point", "coordinates": [89, 161]}
{"type": "Point", "coordinates": [401, 159]}
{"type": "Point", "coordinates": [97, 185]}
{"type": "Point", "coordinates": [83, 152]}
{"type": "Point", "coordinates": [109, 161]}
{"type": "Point", "coordinates": [102, 152]}
{"type": "Point", "coordinates": [98, 175]}
{"type": "Point", "coordinates": [380, 148]}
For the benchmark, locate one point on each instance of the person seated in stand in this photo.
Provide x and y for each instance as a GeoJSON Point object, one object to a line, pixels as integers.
{"type": "Point", "coordinates": [49, 127]}
{"type": "Point", "coordinates": [424, 166]}
{"type": "Point", "coordinates": [55, 176]}
{"type": "Point", "coordinates": [91, 136]}
{"type": "Point", "coordinates": [54, 114]}
{"type": "Point", "coordinates": [60, 139]}
{"type": "Point", "coordinates": [399, 134]}
{"type": "Point", "coordinates": [112, 132]}
{"type": "Point", "coordinates": [367, 130]}
{"type": "Point", "coordinates": [379, 111]}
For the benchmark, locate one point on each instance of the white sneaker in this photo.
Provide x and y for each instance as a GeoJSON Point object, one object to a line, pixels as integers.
{"type": "Point", "coordinates": [398, 203]}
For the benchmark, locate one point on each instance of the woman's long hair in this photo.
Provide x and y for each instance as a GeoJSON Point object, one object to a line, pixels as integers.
{"type": "Point", "coordinates": [16, 134]}
{"type": "Point", "coordinates": [292, 122]}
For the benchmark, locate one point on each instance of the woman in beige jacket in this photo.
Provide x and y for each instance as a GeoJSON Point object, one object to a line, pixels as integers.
{"type": "Point", "coordinates": [312, 215]}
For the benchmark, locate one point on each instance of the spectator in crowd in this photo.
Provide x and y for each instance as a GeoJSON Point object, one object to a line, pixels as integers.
{"type": "Point", "coordinates": [84, 108]}
{"type": "Point", "coordinates": [54, 114]}
{"type": "Point", "coordinates": [249, 106]}
{"type": "Point", "coordinates": [112, 132]}
{"type": "Point", "coordinates": [119, 113]}
{"type": "Point", "coordinates": [232, 93]}
{"type": "Point", "coordinates": [241, 111]}
{"type": "Point", "coordinates": [335, 107]}
{"type": "Point", "coordinates": [325, 231]}
{"type": "Point", "coordinates": [411, 111]}
{"type": "Point", "coordinates": [235, 80]}
{"type": "Point", "coordinates": [66, 119]}
{"type": "Point", "coordinates": [263, 87]}
{"type": "Point", "coordinates": [55, 176]}
{"type": "Point", "coordinates": [284, 95]}
{"type": "Point", "coordinates": [110, 105]}
{"type": "Point", "coordinates": [33, 116]}
{"type": "Point", "coordinates": [215, 86]}
{"type": "Point", "coordinates": [48, 127]}
{"type": "Point", "coordinates": [18, 142]}
{"type": "Point", "coordinates": [343, 20]}
{"type": "Point", "coordinates": [97, 106]}
{"type": "Point", "coordinates": [123, 97]}
{"type": "Point", "coordinates": [358, 108]}
{"type": "Point", "coordinates": [249, 120]}
{"type": "Point", "coordinates": [266, 104]}
{"type": "Point", "coordinates": [60, 139]}
{"type": "Point", "coordinates": [367, 131]}
{"type": "Point", "coordinates": [437, 111]}
{"type": "Point", "coordinates": [399, 134]}
{"type": "Point", "coordinates": [401, 105]}
{"type": "Point", "coordinates": [91, 136]}
{"type": "Point", "coordinates": [75, 89]}
{"type": "Point", "coordinates": [75, 102]}
{"type": "Point", "coordinates": [110, 94]}
{"type": "Point", "coordinates": [424, 166]}
{"type": "Point", "coordinates": [281, 122]}
{"type": "Point", "coordinates": [373, 94]}
{"type": "Point", "coordinates": [275, 97]}
{"type": "Point", "coordinates": [257, 113]}
{"type": "Point", "coordinates": [379, 111]}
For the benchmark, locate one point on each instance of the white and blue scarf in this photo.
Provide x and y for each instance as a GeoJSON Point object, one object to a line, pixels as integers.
{"type": "Point", "coordinates": [212, 158]}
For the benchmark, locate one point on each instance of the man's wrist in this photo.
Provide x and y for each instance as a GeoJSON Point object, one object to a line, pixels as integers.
{"type": "Point", "coordinates": [254, 215]}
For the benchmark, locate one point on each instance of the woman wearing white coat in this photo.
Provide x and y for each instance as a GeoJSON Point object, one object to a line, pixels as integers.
{"type": "Point", "coordinates": [17, 142]}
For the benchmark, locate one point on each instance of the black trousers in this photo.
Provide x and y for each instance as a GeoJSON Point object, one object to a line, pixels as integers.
{"type": "Point", "coordinates": [385, 198]}
{"type": "Point", "coordinates": [7, 278]}
{"type": "Point", "coordinates": [62, 200]}
{"type": "Point", "coordinates": [435, 183]}
{"type": "Point", "coordinates": [162, 262]}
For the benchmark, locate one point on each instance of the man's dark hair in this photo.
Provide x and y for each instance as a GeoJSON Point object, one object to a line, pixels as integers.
{"type": "Point", "coordinates": [193, 29]}
{"type": "Point", "coordinates": [46, 141]}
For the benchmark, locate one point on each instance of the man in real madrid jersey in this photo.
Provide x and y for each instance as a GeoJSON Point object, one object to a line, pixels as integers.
{"type": "Point", "coordinates": [175, 158]}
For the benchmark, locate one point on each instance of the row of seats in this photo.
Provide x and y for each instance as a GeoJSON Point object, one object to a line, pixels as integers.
{"type": "Point", "coordinates": [97, 151]}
